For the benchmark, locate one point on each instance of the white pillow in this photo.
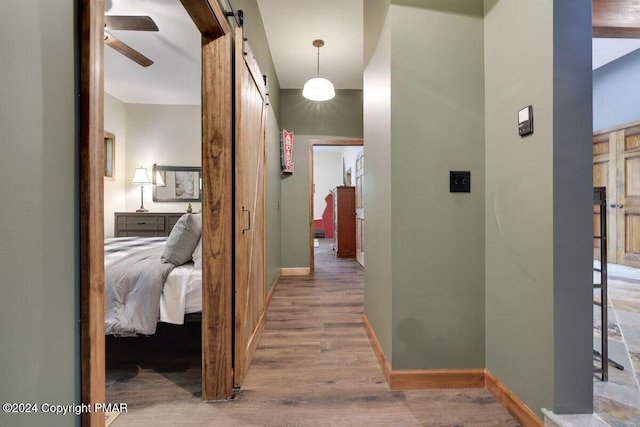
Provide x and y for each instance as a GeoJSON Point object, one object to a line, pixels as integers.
{"type": "Point", "coordinates": [197, 252]}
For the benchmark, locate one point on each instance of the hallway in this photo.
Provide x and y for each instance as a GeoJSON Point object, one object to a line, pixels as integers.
{"type": "Point", "coordinates": [314, 367]}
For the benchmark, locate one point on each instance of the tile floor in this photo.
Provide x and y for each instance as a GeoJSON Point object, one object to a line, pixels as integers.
{"type": "Point", "coordinates": [617, 401]}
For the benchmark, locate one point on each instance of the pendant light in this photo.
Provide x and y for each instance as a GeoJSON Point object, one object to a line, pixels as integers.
{"type": "Point", "coordinates": [318, 89]}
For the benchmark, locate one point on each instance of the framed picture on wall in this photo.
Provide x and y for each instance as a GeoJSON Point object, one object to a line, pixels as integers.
{"type": "Point", "coordinates": [177, 183]}
{"type": "Point", "coordinates": [109, 156]}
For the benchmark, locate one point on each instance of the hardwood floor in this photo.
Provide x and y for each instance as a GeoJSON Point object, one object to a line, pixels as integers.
{"type": "Point", "coordinates": [313, 367]}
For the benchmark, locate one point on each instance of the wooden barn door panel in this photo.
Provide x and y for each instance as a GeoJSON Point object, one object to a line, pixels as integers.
{"type": "Point", "coordinates": [604, 175]}
{"type": "Point", "coordinates": [250, 236]}
{"type": "Point", "coordinates": [628, 209]}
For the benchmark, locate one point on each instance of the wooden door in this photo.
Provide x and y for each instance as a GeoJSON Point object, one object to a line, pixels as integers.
{"type": "Point", "coordinates": [628, 197]}
{"type": "Point", "coordinates": [360, 208]}
{"type": "Point", "coordinates": [250, 236]}
{"type": "Point", "coordinates": [604, 175]}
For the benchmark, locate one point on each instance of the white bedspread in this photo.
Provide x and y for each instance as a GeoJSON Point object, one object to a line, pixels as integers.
{"type": "Point", "coordinates": [182, 293]}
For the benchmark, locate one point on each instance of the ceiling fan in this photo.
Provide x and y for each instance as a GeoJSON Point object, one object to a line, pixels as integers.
{"type": "Point", "coordinates": [128, 23]}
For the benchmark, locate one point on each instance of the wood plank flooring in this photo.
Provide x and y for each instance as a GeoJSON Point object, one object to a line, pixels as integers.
{"type": "Point", "coordinates": [313, 367]}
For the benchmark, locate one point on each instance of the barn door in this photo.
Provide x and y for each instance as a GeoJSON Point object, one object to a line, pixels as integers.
{"type": "Point", "coordinates": [628, 197]}
{"type": "Point", "coordinates": [250, 290]}
{"type": "Point", "coordinates": [360, 208]}
{"type": "Point", "coordinates": [604, 175]}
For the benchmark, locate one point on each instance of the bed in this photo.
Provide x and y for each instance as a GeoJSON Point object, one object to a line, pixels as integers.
{"type": "Point", "coordinates": [137, 309]}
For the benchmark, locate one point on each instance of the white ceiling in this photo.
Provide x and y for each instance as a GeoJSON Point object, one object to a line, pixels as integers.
{"type": "Point", "coordinates": [174, 78]}
{"type": "Point", "coordinates": [291, 26]}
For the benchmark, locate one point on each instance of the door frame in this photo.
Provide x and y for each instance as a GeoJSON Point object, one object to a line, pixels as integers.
{"type": "Point", "coordinates": [217, 373]}
{"type": "Point", "coordinates": [359, 196]}
{"type": "Point", "coordinates": [321, 143]}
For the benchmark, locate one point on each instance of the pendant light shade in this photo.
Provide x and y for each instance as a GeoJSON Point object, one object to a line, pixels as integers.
{"type": "Point", "coordinates": [318, 89]}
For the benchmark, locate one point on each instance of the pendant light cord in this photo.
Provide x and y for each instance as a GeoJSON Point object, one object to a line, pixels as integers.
{"type": "Point", "coordinates": [318, 70]}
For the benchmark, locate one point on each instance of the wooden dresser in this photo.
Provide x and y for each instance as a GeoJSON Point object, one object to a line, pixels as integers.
{"type": "Point", "coordinates": [344, 222]}
{"type": "Point", "coordinates": [145, 224]}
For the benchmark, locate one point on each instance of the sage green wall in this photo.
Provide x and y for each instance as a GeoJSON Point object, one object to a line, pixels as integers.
{"type": "Point", "coordinates": [310, 120]}
{"type": "Point", "coordinates": [377, 171]}
{"type": "Point", "coordinates": [257, 39]}
{"type": "Point", "coordinates": [437, 125]}
{"type": "Point", "coordinates": [519, 203]}
{"type": "Point", "coordinates": [295, 206]}
{"type": "Point", "coordinates": [538, 197]}
{"type": "Point", "coordinates": [274, 257]}
{"type": "Point", "coordinates": [39, 308]}
{"type": "Point", "coordinates": [340, 116]}
{"type": "Point", "coordinates": [459, 7]}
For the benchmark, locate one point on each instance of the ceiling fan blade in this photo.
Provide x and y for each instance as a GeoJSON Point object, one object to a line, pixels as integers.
{"type": "Point", "coordinates": [130, 23]}
{"type": "Point", "coordinates": [127, 50]}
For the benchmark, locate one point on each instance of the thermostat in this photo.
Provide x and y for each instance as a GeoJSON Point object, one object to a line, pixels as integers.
{"type": "Point", "coordinates": [525, 121]}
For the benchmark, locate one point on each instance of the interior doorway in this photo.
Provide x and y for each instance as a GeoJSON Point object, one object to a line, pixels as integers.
{"type": "Point", "coordinates": [217, 373]}
{"type": "Point", "coordinates": [616, 166]}
{"type": "Point", "coordinates": [323, 196]}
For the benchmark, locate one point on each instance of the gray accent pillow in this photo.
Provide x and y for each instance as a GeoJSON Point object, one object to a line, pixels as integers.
{"type": "Point", "coordinates": [183, 240]}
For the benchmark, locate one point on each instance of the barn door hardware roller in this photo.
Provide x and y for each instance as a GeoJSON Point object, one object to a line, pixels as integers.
{"type": "Point", "coordinates": [238, 15]}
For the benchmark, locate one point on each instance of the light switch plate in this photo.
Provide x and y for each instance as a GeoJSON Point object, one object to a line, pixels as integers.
{"type": "Point", "coordinates": [459, 181]}
{"type": "Point", "coordinates": [525, 121]}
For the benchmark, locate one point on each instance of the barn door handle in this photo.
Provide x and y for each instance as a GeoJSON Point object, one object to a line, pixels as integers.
{"type": "Point", "coordinates": [621, 206]}
{"type": "Point", "coordinates": [612, 205]}
{"type": "Point", "coordinates": [248, 212]}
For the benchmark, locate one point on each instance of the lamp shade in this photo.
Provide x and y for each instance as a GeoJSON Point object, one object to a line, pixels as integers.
{"type": "Point", "coordinates": [140, 176]}
{"type": "Point", "coordinates": [318, 89]}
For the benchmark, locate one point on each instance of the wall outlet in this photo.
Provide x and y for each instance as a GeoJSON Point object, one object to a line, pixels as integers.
{"type": "Point", "coordinates": [459, 181]}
